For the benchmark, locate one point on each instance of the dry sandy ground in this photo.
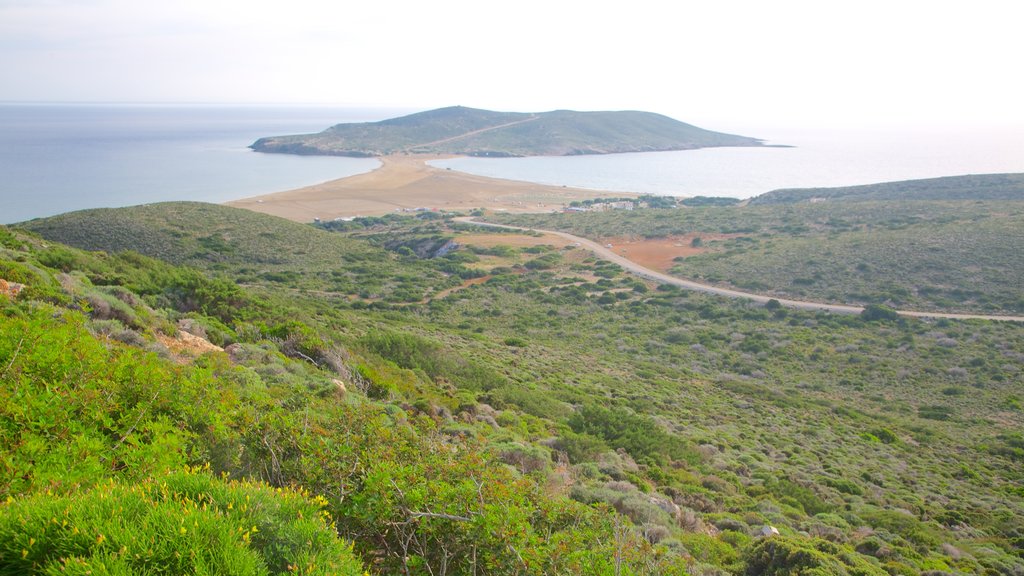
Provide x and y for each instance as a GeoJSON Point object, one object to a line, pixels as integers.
{"type": "Point", "coordinates": [407, 182]}
{"type": "Point", "coordinates": [660, 253]}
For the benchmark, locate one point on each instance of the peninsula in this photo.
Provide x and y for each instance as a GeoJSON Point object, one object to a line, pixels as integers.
{"type": "Point", "coordinates": [463, 131]}
{"type": "Point", "coordinates": [405, 183]}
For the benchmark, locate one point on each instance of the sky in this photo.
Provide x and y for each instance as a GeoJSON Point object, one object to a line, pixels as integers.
{"type": "Point", "coordinates": [719, 63]}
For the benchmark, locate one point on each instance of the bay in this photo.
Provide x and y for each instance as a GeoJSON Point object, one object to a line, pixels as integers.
{"type": "Point", "coordinates": [817, 158]}
{"type": "Point", "coordinates": [57, 158]}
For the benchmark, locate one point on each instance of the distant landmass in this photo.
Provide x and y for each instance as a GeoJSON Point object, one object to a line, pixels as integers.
{"type": "Point", "coordinates": [473, 132]}
{"type": "Point", "coordinates": [969, 187]}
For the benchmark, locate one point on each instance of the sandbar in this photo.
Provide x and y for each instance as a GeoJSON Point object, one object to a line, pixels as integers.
{"type": "Point", "coordinates": [407, 183]}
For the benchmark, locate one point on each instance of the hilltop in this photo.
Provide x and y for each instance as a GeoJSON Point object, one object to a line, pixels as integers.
{"type": "Point", "coordinates": [473, 132]}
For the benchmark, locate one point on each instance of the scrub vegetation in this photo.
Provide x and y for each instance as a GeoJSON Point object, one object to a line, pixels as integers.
{"type": "Point", "coordinates": [516, 410]}
{"type": "Point", "coordinates": [915, 254]}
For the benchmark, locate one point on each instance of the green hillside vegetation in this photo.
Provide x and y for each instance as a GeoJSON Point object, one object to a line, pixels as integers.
{"type": "Point", "coordinates": [473, 132]}
{"type": "Point", "coordinates": [251, 248]}
{"type": "Point", "coordinates": [971, 187]}
{"type": "Point", "coordinates": [908, 254]}
{"type": "Point", "coordinates": [546, 414]}
{"type": "Point", "coordinates": [99, 419]}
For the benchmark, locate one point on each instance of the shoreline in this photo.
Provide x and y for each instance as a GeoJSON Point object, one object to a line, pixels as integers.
{"type": "Point", "coordinates": [407, 183]}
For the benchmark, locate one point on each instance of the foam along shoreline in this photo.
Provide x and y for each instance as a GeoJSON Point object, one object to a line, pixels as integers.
{"type": "Point", "coordinates": [407, 182]}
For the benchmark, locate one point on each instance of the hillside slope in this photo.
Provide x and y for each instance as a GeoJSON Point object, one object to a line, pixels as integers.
{"type": "Point", "coordinates": [474, 132]}
{"type": "Point", "coordinates": [968, 187]}
{"type": "Point", "coordinates": [552, 415]}
{"type": "Point", "coordinates": [252, 248]}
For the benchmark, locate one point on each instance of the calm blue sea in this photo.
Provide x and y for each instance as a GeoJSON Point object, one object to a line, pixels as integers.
{"type": "Point", "coordinates": [59, 158]}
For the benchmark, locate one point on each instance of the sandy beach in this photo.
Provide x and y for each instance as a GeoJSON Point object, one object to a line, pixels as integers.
{"type": "Point", "coordinates": [406, 183]}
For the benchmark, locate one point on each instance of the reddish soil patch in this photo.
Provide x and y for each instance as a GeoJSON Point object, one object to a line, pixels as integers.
{"type": "Point", "coordinates": [660, 253]}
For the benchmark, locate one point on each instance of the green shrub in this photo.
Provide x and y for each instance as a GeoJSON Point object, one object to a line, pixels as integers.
{"type": "Point", "coordinates": [935, 412]}
{"type": "Point", "coordinates": [38, 284]}
{"type": "Point", "coordinates": [181, 524]}
{"type": "Point", "coordinates": [416, 352]}
{"type": "Point", "coordinates": [885, 435]}
{"type": "Point", "coordinates": [843, 485]}
{"type": "Point", "coordinates": [516, 342]}
{"type": "Point", "coordinates": [803, 496]}
{"type": "Point", "coordinates": [523, 457]}
{"type": "Point", "coordinates": [905, 525]}
{"type": "Point", "coordinates": [784, 556]}
{"type": "Point", "coordinates": [638, 435]}
{"type": "Point", "coordinates": [878, 312]}
{"type": "Point", "coordinates": [709, 549]}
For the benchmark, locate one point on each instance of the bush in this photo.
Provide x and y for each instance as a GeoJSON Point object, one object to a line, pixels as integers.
{"type": "Point", "coordinates": [783, 556]}
{"type": "Point", "coordinates": [639, 435]}
{"type": "Point", "coordinates": [935, 412]}
{"type": "Point", "coordinates": [524, 457]}
{"type": "Point", "coordinates": [905, 525]}
{"type": "Point", "coordinates": [185, 523]}
{"type": "Point", "coordinates": [885, 435]}
{"type": "Point", "coordinates": [878, 312]}
{"type": "Point", "coordinates": [417, 353]}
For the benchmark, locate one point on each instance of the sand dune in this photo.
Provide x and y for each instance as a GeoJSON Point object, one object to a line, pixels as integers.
{"type": "Point", "coordinates": [407, 182]}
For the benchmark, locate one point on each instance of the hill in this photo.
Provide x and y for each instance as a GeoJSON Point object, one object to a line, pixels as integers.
{"type": "Point", "coordinates": [969, 187]}
{"type": "Point", "coordinates": [250, 247]}
{"type": "Point", "coordinates": [550, 415]}
{"type": "Point", "coordinates": [941, 256]}
{"type": "Point", "coordinates": [474, 132]}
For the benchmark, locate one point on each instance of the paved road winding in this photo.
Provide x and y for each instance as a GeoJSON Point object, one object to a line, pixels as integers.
{"type": "Point", "coordinates": [645, 272]}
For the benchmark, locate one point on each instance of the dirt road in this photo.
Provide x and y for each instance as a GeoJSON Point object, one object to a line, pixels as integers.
{"type": "Point", "coordinates": [644, 272]}
{"type": "Point", "coordinates": [411, 149]}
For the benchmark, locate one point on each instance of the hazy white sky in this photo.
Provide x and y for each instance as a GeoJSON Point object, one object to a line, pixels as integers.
{"type": "Point", "coordinates": [721, 63]}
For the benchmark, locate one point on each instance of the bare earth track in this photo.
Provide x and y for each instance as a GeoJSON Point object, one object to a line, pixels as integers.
{"type": "Point", "coordinates": [468, 134]}
{"type": "Point", "coordinates": [406, 182]}
{"type": "Point", "coordinates": [645, 272]}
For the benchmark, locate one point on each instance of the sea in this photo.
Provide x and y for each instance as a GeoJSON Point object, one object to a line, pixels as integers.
{"type": "Point", "coordinates": [801, 158]}
{"type": "Point", "coordinates": [57, 158]}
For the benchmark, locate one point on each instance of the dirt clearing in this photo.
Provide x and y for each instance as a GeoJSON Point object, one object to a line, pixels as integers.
{"type": "Point", "coordinates": [660, 253]}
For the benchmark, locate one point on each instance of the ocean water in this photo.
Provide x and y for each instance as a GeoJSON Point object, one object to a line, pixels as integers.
{"type": "Point", "coordinates": [59, 158]}
{"type": "Point", "coordinates": [816, 159]}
